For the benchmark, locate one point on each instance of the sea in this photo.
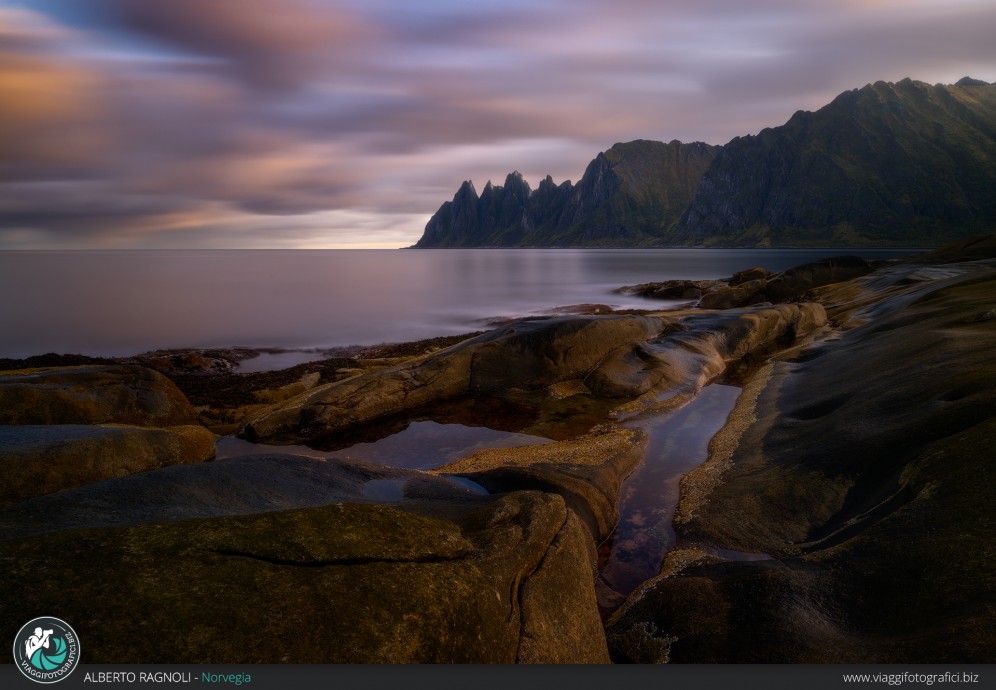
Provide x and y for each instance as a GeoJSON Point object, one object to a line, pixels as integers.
{"type": "Point", "coordinates": [125, 302]}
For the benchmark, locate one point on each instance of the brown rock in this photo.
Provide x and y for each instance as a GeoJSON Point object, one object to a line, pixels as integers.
{"type": "Point", "coordinates": [38, 460]}
{"type": "Point", "coordinates": [586, 471]}
{"type": "Point", "coordinates": [672, 289]}
{"type": "Point", "coordinates": [232, 486]}
{"type": "Point", "coordinates": [489, 580]}
{"type": "Point", "coordinates": [698, 346]}
{"type": "Point", "coordinates": [791, 284]}
{"type": "Point", "coordinates": [557, 602]}
{"type": "Point", "coordinates": [863, 469]}
{"type": "Point", "coordinates": [744, 294]}
{"type": "Point", "coordinates": [748, 275]}
{"type": "Point", "coordinates": [533, 353]}
{"type": "Point", "coordinates": [96, 394]}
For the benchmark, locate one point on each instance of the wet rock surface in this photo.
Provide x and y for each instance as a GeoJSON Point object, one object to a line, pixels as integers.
{"type": "Point", "coordinates": [587, 472]}
{"type": "Point", "coordinates": [841, 515]}
{"type": "Point", "coordinates": [62, 427]}
{"type": "Point", "coordinates": [435, 573]}
{"type": "Point", "coordinates": [472, 582]}
{"type": "Point", "coordinates": [95, 394]}
{"type": "Point", "coordinates": [615, 357]}
{"type": "Point", "coordinates": [533, 353]}
{"type": "Point", "coordinates": [756, 285]}
{"type": "Point", "coordinates": [861, 467]}
{"type": "Point", "coordinates": [696, 347]}
{"type": "Point", "coordinates": [235, 486]}
{"type": "Point", "coordinates": [38, 460]}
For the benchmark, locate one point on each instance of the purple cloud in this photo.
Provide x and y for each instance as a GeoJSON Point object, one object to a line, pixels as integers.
{"type": "Point", "coordinates": [242, 122]}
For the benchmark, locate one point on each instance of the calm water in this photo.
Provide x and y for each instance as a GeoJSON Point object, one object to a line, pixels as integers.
{"type": "Point", "coordinates": [678, 442]}
{"type": "Point", "coordinates": [117, 303]}
{"type": "Point", "coordinates": [423, 445]}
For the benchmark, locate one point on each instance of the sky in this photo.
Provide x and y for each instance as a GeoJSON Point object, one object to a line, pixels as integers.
{"type": "Point", "coordinates": [346, 123]}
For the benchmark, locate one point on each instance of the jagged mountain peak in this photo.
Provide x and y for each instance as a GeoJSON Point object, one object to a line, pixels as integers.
{"type": "Point", "coordinates": [629, 194]}
{"type": "Point", "coordinates": [889, 163]}
{"type": "Point", "coordinates": [467, 189]}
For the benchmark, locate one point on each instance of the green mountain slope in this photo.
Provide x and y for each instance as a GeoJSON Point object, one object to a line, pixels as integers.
{"type": "Point", "coordinates": [889, 164]}
{"type": "Point", "coordinates": [906, 163]}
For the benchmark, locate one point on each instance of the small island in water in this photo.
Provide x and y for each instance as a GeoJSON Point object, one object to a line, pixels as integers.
{"type": "Point", "coordinates": [791, 467]}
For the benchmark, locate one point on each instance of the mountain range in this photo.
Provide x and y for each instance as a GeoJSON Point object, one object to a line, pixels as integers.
{"type": "Point", "coordinates": [903, 164]}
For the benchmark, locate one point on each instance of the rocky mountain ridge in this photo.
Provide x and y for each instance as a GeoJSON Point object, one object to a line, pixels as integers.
{"type": "Point", "coordinates": [904, 164]}
{"type": "Point", "coordinates": [629, 195]}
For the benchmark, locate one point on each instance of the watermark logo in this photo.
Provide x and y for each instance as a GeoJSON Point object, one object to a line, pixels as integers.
{"type": "Point", "coordinates": [46, 650]}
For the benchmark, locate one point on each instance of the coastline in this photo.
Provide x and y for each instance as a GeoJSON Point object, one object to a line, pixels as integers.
{"type": "Point", "coordinates": [521, 375]}
{"type": "Point", "coordinates": [118, 304]}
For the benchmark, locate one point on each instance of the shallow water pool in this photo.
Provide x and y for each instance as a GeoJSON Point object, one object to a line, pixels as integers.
{"type": "Point", "coordinates": [678, 443]}
{"type": "Point", "coordinates": [423, 445]}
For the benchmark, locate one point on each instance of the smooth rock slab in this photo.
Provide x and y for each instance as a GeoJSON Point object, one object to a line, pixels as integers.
{"type": "Point", "coordinates": [490, 580]}
{"type": "Point", "coordinates": [96, 394]}
{"type": "Point", "coordinates": [41, 459]}
{"type": "Point", "coordinates": [697, 346]}
{"type": "Point", "coordinates": [587, 471]}
{"type": "Point", "coordinates": [235, 486]}
{"type": "Point", "coordinates": [533, 354]}
{"type": "Point", "coordinates": [865, 469]}
{"type": "Point", "coordinates": [436, 574]}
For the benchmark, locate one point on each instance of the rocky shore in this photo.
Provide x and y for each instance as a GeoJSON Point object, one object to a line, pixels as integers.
{"type": "Point", "coordinates": [854, 470]}
{"type": "Point", "coordinates": [862, 467]}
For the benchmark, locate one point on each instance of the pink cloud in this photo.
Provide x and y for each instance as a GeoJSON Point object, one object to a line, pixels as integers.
{"type": "Point", "coordinates": [281, 110]}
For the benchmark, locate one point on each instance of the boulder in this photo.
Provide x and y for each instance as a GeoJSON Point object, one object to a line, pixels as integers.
{"type": "Point", "coordinates": [535, 353]}
{"type": "Point", "coordinates": [791, 284]}
{"type": "Point", "coordinates": [96, 394]}
{"type": "Point", "coordinates": [672, 289]}
{"type": "Point", "coordinates": [731, 297]}
{"type": "Point", "coordinates": [749, 275]}
{"type": "Point", "coordinates": [37, 460]}
{"type": "Point", "coordinates": [486, 580]}
{"type": "Point", "coordinates": [756, 285]}
{"type": "Point", "coordinates": [61, 427]}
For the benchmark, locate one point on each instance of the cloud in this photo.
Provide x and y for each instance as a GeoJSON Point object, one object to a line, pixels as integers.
{"type": "Point", "coordinates": [135, 123]}
{"type": "Point", "coordinates": [267, 43]}
{"type": "Point", "coordinates": [50, 119]}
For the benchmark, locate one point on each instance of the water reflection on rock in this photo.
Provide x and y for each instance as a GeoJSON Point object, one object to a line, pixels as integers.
{"type": "Point", "coordinates": [422, 445]}
{"type": "Point", "coordinates": [678, 442]}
